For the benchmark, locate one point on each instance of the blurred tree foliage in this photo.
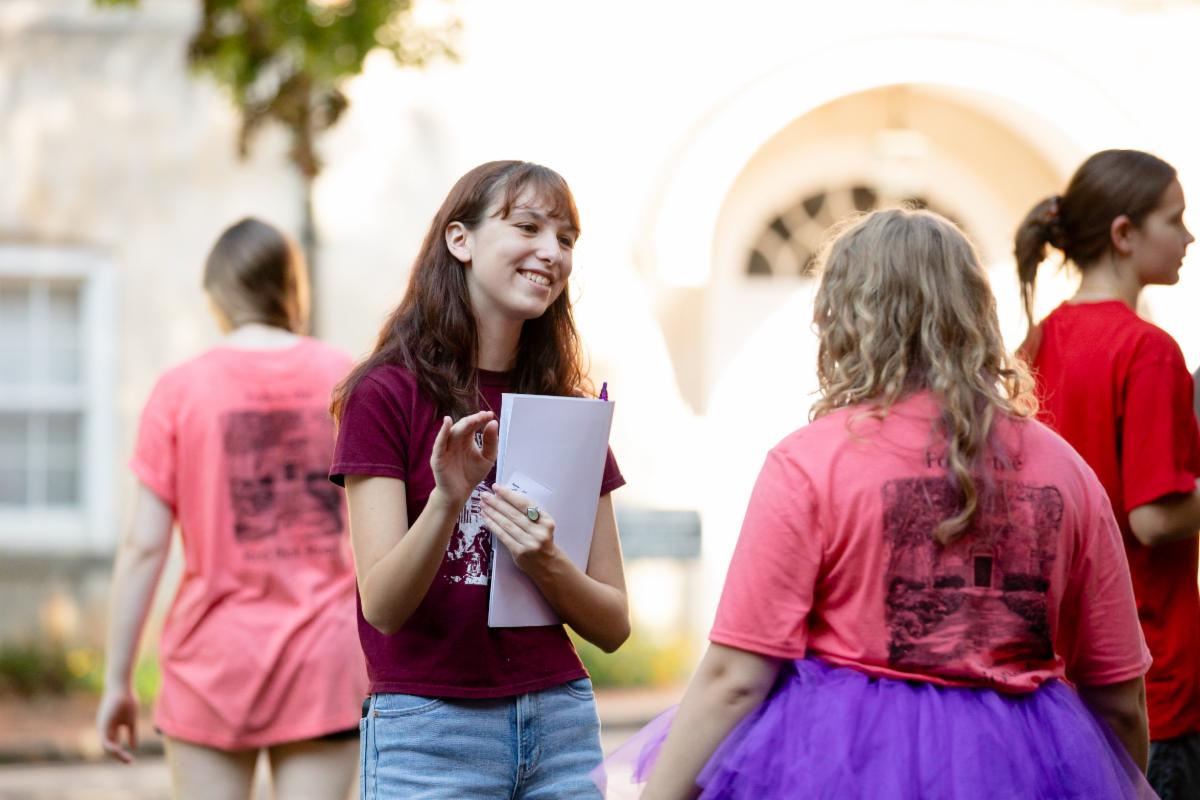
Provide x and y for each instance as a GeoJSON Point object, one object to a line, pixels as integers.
{"type": "Point", "coordinates": [286, 60]}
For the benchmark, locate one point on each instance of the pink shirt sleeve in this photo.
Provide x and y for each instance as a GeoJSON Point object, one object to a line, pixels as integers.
{"type": "Point", "coordinates": [1100, 637]}
{"type": "Point", "coordinates": [768, 591]}
{"type": "Point", "coordinates": [154, 453]}
{"type": "Point", "coordinates": [1160, 442]}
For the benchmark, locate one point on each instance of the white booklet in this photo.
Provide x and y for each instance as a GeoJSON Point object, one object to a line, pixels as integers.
{"type": "Point", "coordinates": [552, 449]}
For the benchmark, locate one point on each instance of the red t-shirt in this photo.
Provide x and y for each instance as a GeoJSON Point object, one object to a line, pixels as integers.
{"type": "Point", "coordinates": [836, 558]}
{"type": "Point", "coordinates": [446, 648]}
{"type": "Point", "coordinates": [1117, 389]}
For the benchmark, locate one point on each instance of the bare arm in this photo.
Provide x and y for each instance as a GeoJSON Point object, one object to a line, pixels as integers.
{"type": "Point", "coordinates": [1169, 519]}
{"type": "Point", "coordinates": [1123, 707]}
{"type": "Point", "coordinates": [728, 685]}
{"type": "Point", "coordinates": [594, 603]}
{"type": "Point", "coordinates": [396, 564]}
{"type": "Point", "coordinates": [140, 558]}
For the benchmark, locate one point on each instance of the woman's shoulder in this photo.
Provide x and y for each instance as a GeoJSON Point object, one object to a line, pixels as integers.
{"type": "Point", "coordinates": [1154, 342]}
{"type": "Point", "coordinates": [182, 380]}
{"type": "Point", "coordinates": [820, 436]}
{"type": "Point", "coordinates": [324, 353]}
{"type": "Point", "coordinates": [1027, 433]}
{"type": "Point", "coordinates": [392, 381]}
{"type": "Point", "coordinates": [305, 359]}
{"type": "Point", "coordinates": [1123, 327]}
{"type": "Point", "coordinates": [196, 368]}
{"type": "Point", "coordinates": [1039, 448]}
{"type": "Point", "coordinates": [1138, 342]}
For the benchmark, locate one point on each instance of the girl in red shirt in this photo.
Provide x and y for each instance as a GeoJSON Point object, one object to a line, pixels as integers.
{"type": "Point", "coordinates": [1115, 386]}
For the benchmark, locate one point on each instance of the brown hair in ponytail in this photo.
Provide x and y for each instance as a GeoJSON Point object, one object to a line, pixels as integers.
{"type": "Point", "coordinates": [255, 273]}
{"type": "Point", "coordinates": [1078, 223]}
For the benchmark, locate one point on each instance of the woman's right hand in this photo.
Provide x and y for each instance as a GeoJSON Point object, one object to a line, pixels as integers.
{"type": "Point", "coordinates": [458, 463]}
{"type": "Point", "coordinates": [118, 709]}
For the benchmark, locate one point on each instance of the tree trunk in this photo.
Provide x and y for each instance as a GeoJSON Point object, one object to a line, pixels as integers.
{"type": "Point", "coordinates": [309, 244]}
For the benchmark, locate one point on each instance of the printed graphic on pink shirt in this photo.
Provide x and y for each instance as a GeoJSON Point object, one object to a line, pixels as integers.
{"type": "Point", "coordinates": [983, 597]}
{"type": "Point", "coordinates": [469, 556]}
{"type": "Point", "coordinates": [278, 461]}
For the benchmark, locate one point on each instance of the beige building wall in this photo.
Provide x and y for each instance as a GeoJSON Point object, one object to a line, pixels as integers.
{"type": "Point", "coordinates": [682, 127]}
{"type": "Point", "coordinates": [117, 171]}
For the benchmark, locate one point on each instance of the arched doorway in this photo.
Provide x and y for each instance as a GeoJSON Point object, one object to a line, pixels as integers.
{"type": "Point", "coordinates": [954, 137]}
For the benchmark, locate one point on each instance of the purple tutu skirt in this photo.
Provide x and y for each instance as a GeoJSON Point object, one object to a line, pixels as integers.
{"type": "Point", "coordinates": [835, 732]}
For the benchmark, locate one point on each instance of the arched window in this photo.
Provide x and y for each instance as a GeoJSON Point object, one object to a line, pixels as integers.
{"type": "Point", "coordinates": [789, 244]}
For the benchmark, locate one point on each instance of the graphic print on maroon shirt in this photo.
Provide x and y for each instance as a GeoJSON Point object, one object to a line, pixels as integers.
{"type": "Point", "coordinates": [983, 594]}
{"type": "Point", "coordinates": [469, 555]}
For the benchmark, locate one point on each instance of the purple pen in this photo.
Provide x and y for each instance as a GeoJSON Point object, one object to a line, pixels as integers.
{"type": "Point", "coordinates": [604, 391]}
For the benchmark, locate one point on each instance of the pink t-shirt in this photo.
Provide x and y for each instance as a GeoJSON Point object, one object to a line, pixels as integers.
{"type": "Point", "coordinates": [836, 559]}
{"type": "Point", "coordinates": [259, 647]}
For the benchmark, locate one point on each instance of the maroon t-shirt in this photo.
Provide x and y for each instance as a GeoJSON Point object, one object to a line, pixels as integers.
{"type": "Point", "coordinates": [446, 648]}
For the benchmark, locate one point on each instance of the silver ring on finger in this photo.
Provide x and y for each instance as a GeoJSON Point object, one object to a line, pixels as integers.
{"type": "Point", "coordinates": [534, 513]}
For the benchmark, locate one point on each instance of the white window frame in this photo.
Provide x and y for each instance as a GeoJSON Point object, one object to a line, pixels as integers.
{"type": "Point", "coordinates": [90, 528]}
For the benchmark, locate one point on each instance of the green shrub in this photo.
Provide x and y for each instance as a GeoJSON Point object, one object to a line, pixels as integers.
{"type": "Point", "coordinates": [642, 661]}
{"type": "Point", "coordinates": [28, 669]}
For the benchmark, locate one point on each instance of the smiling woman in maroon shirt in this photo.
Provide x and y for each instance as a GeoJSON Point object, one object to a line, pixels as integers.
{"type": "Point", "coordinates": [459, 709]}
{"type": "Point", "coordinates": [1115, 386]}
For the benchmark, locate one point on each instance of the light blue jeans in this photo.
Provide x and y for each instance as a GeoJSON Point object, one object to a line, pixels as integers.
{"type": "Point", "coordinates": [537, 746]}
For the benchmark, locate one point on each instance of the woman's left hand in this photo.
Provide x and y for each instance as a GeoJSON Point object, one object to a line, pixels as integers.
{"type": "Point", "coordinates": [530, 543]}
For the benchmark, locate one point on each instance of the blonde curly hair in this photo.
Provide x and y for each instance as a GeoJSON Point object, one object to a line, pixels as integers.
{"type": "Point", "coordinates": [905, 305]}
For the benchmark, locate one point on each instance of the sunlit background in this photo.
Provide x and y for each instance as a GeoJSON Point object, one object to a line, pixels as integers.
{"type": "Point", "coordinates": [709, 145]}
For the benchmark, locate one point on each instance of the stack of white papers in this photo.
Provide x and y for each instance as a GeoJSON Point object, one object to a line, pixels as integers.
{"type": "Point", "coordinates": [552, 449]}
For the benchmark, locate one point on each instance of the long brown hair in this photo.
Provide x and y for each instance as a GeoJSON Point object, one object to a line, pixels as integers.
{"type": "Point", "coordinates": [1109, 184]}
{"type": "Point", "coordinates": [904, 304]}
{"type": "Point", "coordinates": [254, 273]}
{"type": "Point", "coordinates": [433, 332]}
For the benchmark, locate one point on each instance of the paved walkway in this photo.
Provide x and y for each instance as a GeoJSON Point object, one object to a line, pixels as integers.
{"type": "Point", "coordinates": [49, 751]}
